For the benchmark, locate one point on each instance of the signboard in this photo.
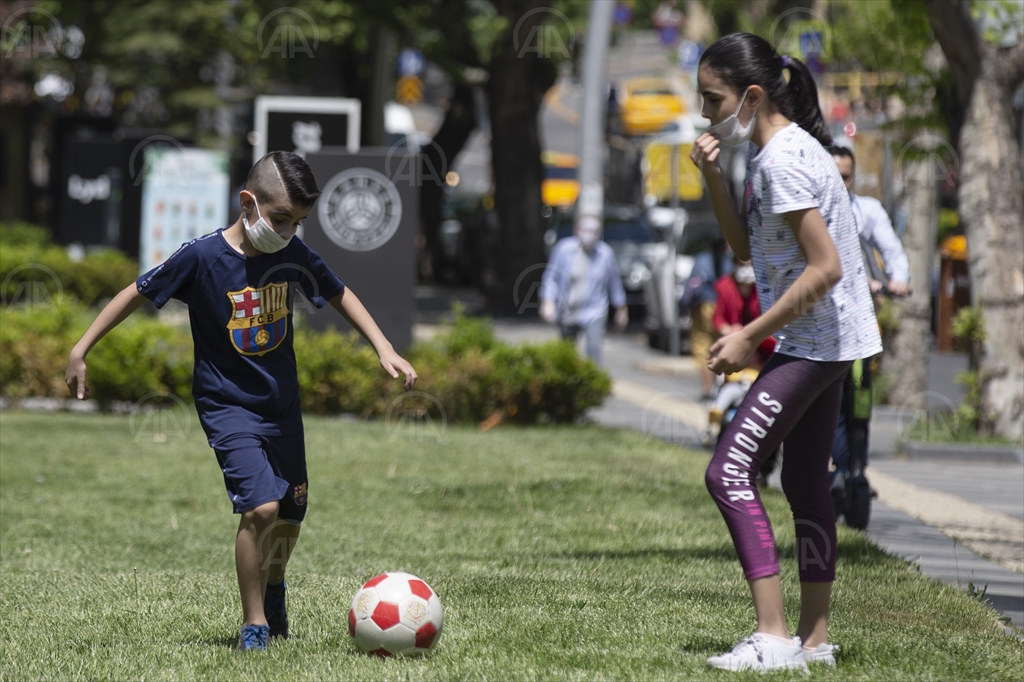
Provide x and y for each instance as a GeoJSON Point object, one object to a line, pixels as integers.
{"type": "Point", "coordinates": [90, 192]}
{"type": "Point", "coordinates": [305, 124]}
{"type": "Point", "coordinates": [184, 195]}
{"type": "Point", "coordinates": [688, 55]}
{"type": "Point", "coordinates": [869, 148]}
{"type": "Point", "coordinates": [364, 226]}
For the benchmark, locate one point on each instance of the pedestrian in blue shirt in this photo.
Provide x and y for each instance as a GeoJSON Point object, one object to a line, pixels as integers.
{"type": "Point", "coordinates": [581, 278]}
{"type": "Point", "coordinates": [239, 284]}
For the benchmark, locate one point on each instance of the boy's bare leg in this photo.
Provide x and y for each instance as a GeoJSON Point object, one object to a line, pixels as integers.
{"type": "Point", "coordinates": [814, 603]}
{"type": "Point", "coordinates": [251, 581]}
{"type": "Point", "coordinates": [281, 543]}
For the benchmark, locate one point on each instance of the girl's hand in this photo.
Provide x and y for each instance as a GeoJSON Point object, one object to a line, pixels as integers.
{"type": "Point", "coordinates": [74, 377]}
{"type": "Point", "coordinates": [394, 364]}
{"type": "Point", "coordinates": [705, 156]}
{"type": "Point", "coordinates": [731, 353]}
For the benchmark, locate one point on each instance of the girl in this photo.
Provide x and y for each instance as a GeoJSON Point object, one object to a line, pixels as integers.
{"type": "Point", "coordinates": [798, 229]}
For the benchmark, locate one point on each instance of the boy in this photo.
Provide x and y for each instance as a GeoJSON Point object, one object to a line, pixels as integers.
{"type": "Point", "coordinates": [238, 282]}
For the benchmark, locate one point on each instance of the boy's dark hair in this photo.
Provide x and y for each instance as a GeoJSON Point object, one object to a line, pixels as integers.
{"type": "Point", "coordinates": [285, 171]}
{"type": "Point", "coordinates": [743, 59]}
{"type": "Point", "coordinates": [844, 152]}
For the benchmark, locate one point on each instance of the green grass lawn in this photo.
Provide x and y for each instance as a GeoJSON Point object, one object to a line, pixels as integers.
{"type": "Point", "coordinates": [558, 553]}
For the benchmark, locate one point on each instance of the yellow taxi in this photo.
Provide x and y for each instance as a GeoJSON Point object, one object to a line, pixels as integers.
{"type": "Point", "coordinates": [561, 185]}
{"type": "Point", "coordinates": [647, 105]}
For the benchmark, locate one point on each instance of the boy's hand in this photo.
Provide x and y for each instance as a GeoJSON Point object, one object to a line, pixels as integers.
{"type": "Point", "coordinates": [74, 377]}
{"type": "Point", "coordinates": [394, 364]}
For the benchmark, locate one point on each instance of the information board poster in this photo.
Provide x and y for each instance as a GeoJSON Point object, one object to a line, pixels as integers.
{"type": "Point", "coordinates": [184, 195]}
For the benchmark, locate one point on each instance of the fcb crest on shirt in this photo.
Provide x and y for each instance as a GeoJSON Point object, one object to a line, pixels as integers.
{"type": "Point", "coordinates": [259, 318]}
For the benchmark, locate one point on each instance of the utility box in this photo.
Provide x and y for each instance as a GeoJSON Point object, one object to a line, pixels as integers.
{"type": "Point", "coordinates": [365, 226]}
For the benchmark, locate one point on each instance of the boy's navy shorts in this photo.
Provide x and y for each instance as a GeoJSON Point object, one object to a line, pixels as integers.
{"type": "Point", "coordinates": [260, 469]}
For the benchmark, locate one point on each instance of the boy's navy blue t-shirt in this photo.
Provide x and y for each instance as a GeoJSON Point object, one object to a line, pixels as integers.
{"type": "Point", "coordinates": [240, 310]}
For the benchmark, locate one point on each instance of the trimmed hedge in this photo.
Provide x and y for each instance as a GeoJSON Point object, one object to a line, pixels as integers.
{"type": "Point", "coordinates": [469, 373]}
{"type": "Point", "coordinates": [28, 259]}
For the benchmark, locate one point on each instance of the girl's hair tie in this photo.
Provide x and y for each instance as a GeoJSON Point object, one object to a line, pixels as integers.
{"type": "Point", "coordinates": [785, 61]}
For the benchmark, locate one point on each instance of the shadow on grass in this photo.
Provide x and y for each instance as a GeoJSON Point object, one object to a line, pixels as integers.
{"type": "Point", "coordinates": [673, 554]}
{"type": "Point", "coordinates": [228, 642]}
{"type": "Point", "coordinates": [702, 644]}
{"type": "Point", "coordinates": [859, 551]}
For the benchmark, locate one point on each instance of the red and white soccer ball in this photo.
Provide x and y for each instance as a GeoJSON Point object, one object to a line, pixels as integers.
{"type": "Point", "coordinates": [395, 614]}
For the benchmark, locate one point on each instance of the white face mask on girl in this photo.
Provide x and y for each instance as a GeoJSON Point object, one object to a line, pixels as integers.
{"type": "Point", "coordinates": [262, 235]}
{"type": "Point", "coordinates": [730, 132]}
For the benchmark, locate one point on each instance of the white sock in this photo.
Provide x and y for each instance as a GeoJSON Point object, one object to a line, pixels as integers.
{"type": "Point", "coordinates": [788, 641]}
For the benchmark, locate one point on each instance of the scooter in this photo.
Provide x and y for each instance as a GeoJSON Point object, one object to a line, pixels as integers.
{"type": "Point", "coordinates": [851, 498]}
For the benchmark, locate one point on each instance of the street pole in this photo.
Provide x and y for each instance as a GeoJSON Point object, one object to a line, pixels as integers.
{"type": "Point", "coordinates": [673, 327]}
{"type": "Point", "coordinates": [595, 68]}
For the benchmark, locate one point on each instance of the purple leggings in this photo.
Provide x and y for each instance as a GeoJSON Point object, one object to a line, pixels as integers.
{"type": "Point", "coordinates": [795, 402]}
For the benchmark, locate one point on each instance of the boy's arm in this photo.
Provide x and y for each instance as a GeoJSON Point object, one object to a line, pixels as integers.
{"type": "Point", "coordinates": [352, 309]}
{"type": "Point", "coordinates": [127, 301]}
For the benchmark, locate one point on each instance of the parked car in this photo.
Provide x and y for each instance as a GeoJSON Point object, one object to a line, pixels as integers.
{"type": "Point", "coordinates": [626, 230]}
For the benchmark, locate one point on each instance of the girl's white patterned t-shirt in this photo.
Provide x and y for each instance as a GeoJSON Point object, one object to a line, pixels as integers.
{"type": "Point", "coordinates": [794, 172]}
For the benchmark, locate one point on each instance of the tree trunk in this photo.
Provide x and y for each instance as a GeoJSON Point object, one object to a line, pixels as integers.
{"type": "Point", "coordinates": [518, 81]}
{"type": "Point", "coordinates": [459, 122]}
{"type": "Point", "coordinates": [908, 353]}
{"type": "Point", "coordinates": [991, 206]}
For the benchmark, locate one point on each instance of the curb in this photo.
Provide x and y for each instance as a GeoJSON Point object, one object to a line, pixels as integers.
{"type": "Point", "coordinates": [964, 452]}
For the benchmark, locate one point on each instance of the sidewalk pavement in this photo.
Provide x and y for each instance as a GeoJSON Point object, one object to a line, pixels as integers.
{"type": "Point", "coordinates": [922, 505]}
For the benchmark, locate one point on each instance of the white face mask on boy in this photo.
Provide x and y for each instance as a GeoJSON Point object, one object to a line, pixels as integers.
{"type": "Point", "coordinates": [262, 235]}
{"type": "Point", "coordinates": [730, 132]}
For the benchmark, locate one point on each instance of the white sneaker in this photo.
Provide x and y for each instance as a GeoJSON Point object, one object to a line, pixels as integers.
{"type": "Point", "coordinates": [825, 653]}
{"type": "Point", "coordinates": [762, 652]}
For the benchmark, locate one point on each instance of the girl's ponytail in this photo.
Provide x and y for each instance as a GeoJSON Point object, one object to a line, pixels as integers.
{"type": "Point", "coordinates": [743, 59]}
{"type": "Point", "coordinates": [802, 102]}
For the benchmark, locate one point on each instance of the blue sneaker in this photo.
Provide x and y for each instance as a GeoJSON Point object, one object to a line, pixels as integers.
{"type": "Point", "coordinates": [275, 611]}
{"type": "Point", "coordinates": [253, 638]}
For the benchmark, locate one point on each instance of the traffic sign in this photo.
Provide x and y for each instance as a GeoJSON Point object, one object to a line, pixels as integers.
{"type": "Point", "coordinates": [410, 62]}
{"type": "Point", "coordinates": [409, 90]}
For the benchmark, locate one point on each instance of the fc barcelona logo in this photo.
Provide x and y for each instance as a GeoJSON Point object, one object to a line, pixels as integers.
{"type": "Point", "coordinates": [259, 318]}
